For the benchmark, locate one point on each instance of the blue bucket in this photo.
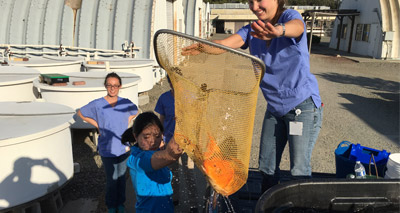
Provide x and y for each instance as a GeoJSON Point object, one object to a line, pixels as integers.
{"type": "Point", "coordinates": [346, 155]}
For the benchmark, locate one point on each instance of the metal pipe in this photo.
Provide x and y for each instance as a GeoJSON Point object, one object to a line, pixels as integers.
{"type": "Point", "coordinates": [311, 32]}
{"type": "Point", "coordinates": [60, 46]}
{"type": "Point", "coordinates": [66, 53]}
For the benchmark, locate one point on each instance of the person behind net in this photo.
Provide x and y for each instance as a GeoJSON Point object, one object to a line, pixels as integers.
{"type": "Point", "coordinates": [294, 110]}
{"type": "Point", "coordinates": [147, 164]}
{"type": "Point", "coordinates": [165, 106]}
{"type": "Point", "coordinates": [111, 116]}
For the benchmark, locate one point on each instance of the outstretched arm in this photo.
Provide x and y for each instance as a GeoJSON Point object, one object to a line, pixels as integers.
{"type": "Point", "coordinates": [164, 157]}
{"type": "Point", "coordinates": [266, 31]}
{"type": "Point", "coordinates": [234, 41]}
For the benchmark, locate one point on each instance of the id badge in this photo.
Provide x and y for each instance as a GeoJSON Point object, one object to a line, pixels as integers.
{"type": "Point", "coordinates": [295, 128]}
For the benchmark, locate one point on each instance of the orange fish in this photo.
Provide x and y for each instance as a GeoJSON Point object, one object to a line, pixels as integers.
{"type": "Point", "coordinates": [219, 169]}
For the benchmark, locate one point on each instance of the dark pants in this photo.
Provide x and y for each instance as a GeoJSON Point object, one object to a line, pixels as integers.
{"type": "Point", "coordinates": [115, 168]}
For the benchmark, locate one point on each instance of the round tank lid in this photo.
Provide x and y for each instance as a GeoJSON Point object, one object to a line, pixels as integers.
{"type": "Point", "coordinates": [94, 81]}
{"type": "Point", "coordinates": [11, 108]}
{"type": "Point", "coordinates": [119, 63]}
{"type": "Point", "coordinates": [13, 75]}
{"type": "Point", "coordinates": [65, 58]}
{"type": "Point", "coordinates": [42, 62]}
{"type": "Point", "coordinates": [18, 70]}
{"type": "Point", "coordinates": [8, 80]}
{"type": "Point", "coordinates": [25, 121]}
{"type": "Point", "coordinates": [101, 75]}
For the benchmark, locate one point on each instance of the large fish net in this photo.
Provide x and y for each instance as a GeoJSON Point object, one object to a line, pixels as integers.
{"type": "Point", "coordinates": [215, 104]}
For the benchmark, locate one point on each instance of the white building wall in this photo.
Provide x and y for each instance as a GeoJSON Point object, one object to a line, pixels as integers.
{"type": "Point", "coordinates": [100, 24]}
{"type": "Point", "coordinates": [190, 7]}
{"type": "Point", "coordinates": [208, 25]}
{"type": "Point", "coordinates": [199, 19]}
{"type": "Point", "coordinates": [382, 16]}
{"type": "Point", "coordinates": [179, 16]}
{"type": "Point", "coordinates": [160, 16]}
{"type": "Point", "coordinates": [367, 16]}
{"type": "Point", "coordinates": [159, 21]}
{"type": "Point", "coordinates": [170, 15]}
{"type": "Point", "coordinates": [194, 17]}
{"type": "Point", "coordinates": [391, 25]}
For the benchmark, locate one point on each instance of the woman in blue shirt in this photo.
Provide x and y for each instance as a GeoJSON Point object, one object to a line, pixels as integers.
{"type": "Point", "coordinates": [111, 115]}
{"type": "Point", "coordinates": [294, 111]}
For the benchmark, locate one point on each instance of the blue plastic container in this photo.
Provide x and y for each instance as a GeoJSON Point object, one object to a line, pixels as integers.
{"type": "Point", "coordinates": [363, 154]}
{"type": "Point", "coordinates": [346, 155]}
{"type": "Point", "coordinates": [344, 165]}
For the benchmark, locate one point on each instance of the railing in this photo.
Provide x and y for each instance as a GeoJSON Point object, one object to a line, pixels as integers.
{"type": "Point", "coordinates": [8, 50]}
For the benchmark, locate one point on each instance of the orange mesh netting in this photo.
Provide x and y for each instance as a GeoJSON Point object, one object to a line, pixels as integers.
{"type": "Point", "coordinates": [215, 104]}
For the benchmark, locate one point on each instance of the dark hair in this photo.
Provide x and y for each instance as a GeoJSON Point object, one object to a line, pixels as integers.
{"type": "Point", "coordinates": [142, 121]}
{"type": "Point", "coordinates": [281, 4]}
{"type": "Point", "coordinates": [145, 119]}
{"type": "Point", "coordinates": [112, 75]}
{"type": "Point", "coordinates": [279, 11]}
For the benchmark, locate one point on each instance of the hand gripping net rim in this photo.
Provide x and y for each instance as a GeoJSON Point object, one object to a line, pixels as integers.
{"type": "Point", "coordinates": [215, 102]}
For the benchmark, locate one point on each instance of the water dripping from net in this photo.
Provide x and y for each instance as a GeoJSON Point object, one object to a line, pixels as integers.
{"type": "Point", "coordinates": [228, 204]}
{"type": "Point", "coordinates": [214, 203]}
{"type": "Point", "coordinates": [212, 206]}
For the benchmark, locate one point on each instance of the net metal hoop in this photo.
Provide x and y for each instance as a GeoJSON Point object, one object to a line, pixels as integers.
{"type": "Point", "coordinates": [215, 96]}
{"type": "Point", "coordinates": [166, 31]}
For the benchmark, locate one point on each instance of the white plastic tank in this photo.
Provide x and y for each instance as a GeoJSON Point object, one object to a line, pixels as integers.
{"type": "Point", "coordinates": [16, 83]}
{"type": "Point", "coordinates": [141, 67]}
{"type": "Point", "coordinates": [157, 76]}
{"type": "Point", "coordinates": [163, 73]}
{"type": "Point", "coordinates": [76, 96]}
{"type": "Point", "coordinates": [49, 64]}
{"type": "Point", "coordinates": [35, 150]}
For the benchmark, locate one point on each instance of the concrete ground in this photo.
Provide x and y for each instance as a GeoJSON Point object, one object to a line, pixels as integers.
{"type": "Point", "coordinates": [85, 205]}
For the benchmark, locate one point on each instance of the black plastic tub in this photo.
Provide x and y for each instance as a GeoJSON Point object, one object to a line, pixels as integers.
{"type": "Point", "coordinates": [332, 195]}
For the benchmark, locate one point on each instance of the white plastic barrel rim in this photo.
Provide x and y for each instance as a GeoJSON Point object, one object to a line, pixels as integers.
{"type": "Point", "coordinates": [393, 167]}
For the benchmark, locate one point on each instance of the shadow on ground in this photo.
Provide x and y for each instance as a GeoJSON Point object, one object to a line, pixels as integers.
{"type": "Point", "coordinates": [373, 110]}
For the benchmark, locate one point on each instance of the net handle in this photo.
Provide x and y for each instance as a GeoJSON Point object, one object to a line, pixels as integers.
{"type": "Point", "coordinates": [376, 169]}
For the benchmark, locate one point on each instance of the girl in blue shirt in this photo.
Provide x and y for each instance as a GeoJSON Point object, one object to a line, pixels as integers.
{"type": "Point", "coordinates": [166, 108]}
{"type": "Point", "coordinates": [147, 164]}
{"type": "Point", "coordinates": [111, 115]}
{"type": "Point", "coordinates": [294, 111]}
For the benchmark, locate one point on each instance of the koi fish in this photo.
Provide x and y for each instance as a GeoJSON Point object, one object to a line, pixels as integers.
{"type": "Point", "coordinates": [219, 169]}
